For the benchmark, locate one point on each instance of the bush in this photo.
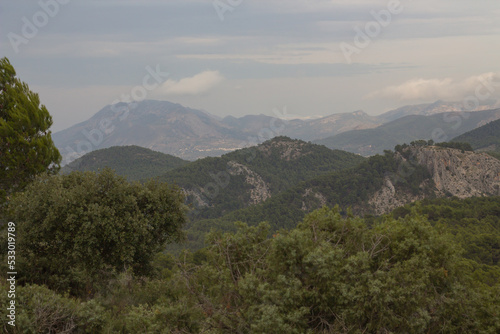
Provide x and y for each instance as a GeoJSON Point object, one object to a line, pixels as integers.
{"type": "Point", "coordinates": [78, 230]}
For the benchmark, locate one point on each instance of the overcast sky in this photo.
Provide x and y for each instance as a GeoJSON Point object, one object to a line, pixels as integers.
{"type": "Point", "coordinates": [237, 57]}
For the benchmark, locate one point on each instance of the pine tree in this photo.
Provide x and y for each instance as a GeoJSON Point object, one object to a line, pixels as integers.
{"type": "Point", "coordinates": [26, 146]}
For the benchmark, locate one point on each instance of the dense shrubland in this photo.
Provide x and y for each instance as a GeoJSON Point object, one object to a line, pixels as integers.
{"type": "Point", "coordinates": [424, 268]}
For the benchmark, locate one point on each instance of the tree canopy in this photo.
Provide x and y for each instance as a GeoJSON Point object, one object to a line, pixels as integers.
{"type": "Point", "coordinates": [26, 146]}
{"type": "Point", "coordinates": [330, 274]}
{"type": "Point", "coordinates": [75, 228]}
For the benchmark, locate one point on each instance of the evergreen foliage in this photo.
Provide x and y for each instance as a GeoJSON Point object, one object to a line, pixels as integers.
{"type": "Point", "coordinates": [132, 162]}
{"type": "Point", "coordinates": [75, 231]}
{"type": "Point", "coordinates": [26, 146]}
{"type": "Point", "coordinates": [475, 225]}
{"type": "Point", "coordinates": [330, 274]}
{"type": "Point", "coordinates": [456, 145]}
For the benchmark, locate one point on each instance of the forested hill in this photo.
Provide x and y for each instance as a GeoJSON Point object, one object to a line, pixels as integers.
{"type": "Point", "coordinates": [352, 187]}
{"type": "Point", "coordinates": [132, 162]}
{"type": "Point", "coordinates": [376, 186]}
{"type": "Point", "coordinates": [215, 186]}
{"type": "Point", "coordinates": [484, 138]}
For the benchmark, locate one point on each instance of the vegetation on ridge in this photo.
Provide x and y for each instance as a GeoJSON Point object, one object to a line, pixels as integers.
{"type": "Point", "coordinates": [132, 162]}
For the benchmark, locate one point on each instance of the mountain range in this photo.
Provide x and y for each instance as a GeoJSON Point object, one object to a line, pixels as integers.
{"type": "Point", "coordinates": [282, 179]}
{"type": "Point", "coordinates": [438, 127]}
{"type": "Point", "coordinates": [192, 134]}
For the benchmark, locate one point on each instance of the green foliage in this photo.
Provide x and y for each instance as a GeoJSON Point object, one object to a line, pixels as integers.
{"type": "Point", "coordinates": [475, 225]}
{"type": "Point", "coordinates": [40, 310]}
{"type": "Point", "coordinates": [486, 137]}
{"type": "Point", "coordinates": [330, 274]}
{"type": "Point", "coordinates": [133, 162]}
{"type": "Point", "coordinates": [76, 230]}
{"type": "Point", "coordinates": [403, 149]}
{"type": "Point", "coordinates": [26, 146]}
{"type": "Point", "coordinates": [456, 145]}
{"type": "Point", "coordinates": [337, 275]}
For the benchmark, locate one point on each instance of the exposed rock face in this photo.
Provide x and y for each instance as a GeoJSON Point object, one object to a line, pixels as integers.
{"type": "Point", "coordinates": [320, 199]}
{"type": "Point", "coordinates": [388, 198]}
{"type": "Point", "coordinates": [260, 191]}
{"type": "Point", "coordinates": [460, 174]}
{"type": "Point", "coordinates": [454, 173]}
{"type": "Point", "coordinates": [198, 198]}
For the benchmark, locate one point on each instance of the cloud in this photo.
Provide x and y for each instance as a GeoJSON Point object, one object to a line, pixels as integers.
{"type": "Point", "coordinates": [486, 85]}
{"type": "Point", "coordinates": [198, 84]}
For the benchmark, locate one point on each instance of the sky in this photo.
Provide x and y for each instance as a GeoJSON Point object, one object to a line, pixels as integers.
{"type": "Point", "coordinates": [311, 58]}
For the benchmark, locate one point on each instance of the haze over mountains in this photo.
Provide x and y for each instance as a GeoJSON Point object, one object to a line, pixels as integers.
{"type": "Point", "coordinates": [191, 134]}
{"type": "Point", "coordinates": [438, 127]}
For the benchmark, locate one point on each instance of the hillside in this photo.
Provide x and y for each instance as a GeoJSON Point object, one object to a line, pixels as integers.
{"type": "Point", "coordinates": [484, 138]}
{"type": "Point", "coordinates": [132, 162]}
{"type": "Point", "coordinates": [376, 186]}
{"type": "Point", "coordinates": [439, 127]}
{"type": "Point", "coordinates": [216, 186]}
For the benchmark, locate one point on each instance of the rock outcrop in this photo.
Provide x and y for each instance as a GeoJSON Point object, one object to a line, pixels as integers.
{"type": "Point", "coordinates": [460, 174]}
{"type": "Point", "coordinates": [260, 190]}
{"type": "Point", "coordinates": [452, 173]}
{"type": "Point", "coordinates": [289, 149]}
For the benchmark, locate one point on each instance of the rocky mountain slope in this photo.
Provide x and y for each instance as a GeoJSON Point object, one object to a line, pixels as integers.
{"type": "Point", "coordinates": [452, 172]}
{"type": "Point", "coordinates": [158, 125]}
{"type": "Point", "coordinates": [216, 186]}
{"type": "Point", "coordinates": [381, 184]}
